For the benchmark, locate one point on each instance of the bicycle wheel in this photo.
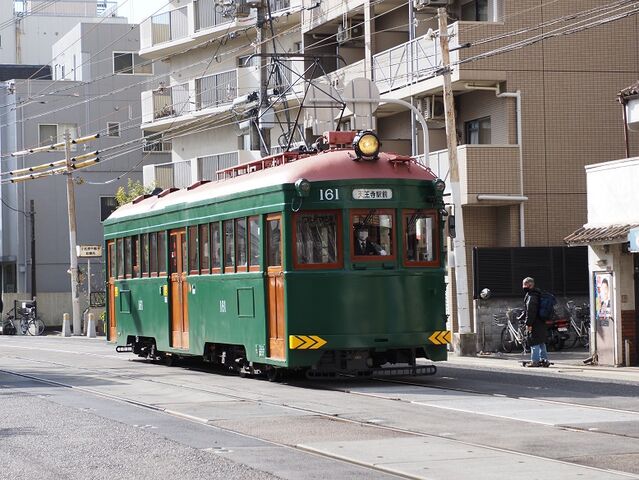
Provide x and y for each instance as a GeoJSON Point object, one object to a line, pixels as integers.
{"type": "Point", "coordinates": [584, 338]}
{"type": "Point", "coordinates": [507, 340]}
{"type": "Point", "coordinates": [36, 327]}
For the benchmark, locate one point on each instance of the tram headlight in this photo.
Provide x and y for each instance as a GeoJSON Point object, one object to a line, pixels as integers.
{"type": "Point", "coordinates": [303, 187]}
{"type": "Point", "coordinates": [440, 185]}
{"type": "Point", "coordinates": [366, 145]}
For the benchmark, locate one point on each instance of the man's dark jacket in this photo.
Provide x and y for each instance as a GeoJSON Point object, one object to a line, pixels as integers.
{"type": "Point", "coordinates": [531, 309]}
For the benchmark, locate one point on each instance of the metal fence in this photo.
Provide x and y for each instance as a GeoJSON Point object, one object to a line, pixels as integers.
{"type": "Point", "coordinates": [207, 15]}
{"type": "Point", "coordinates": [208, 166]}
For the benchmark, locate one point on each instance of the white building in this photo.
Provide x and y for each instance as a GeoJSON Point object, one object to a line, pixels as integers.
{"type": "Point", "coordinates": [30, 27]}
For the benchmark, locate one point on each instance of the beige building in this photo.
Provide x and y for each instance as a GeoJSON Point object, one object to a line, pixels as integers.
{"type": "Point", "coordinates": [535, 87]}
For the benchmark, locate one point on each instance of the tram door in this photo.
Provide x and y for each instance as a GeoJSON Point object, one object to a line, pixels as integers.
{"type": "Point", "coordinates": [275, 276]}
{"type": "Point", "coordinates": [179, 290]}
{"type": "Point", "coordinates": [111, 290]}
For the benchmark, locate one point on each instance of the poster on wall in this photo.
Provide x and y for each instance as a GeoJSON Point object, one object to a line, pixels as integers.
{"type": "Point", "coordinates": [603, 298]}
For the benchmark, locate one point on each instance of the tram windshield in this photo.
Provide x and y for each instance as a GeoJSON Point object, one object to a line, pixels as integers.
{"type": "Point", "coordinates": [373, 233]}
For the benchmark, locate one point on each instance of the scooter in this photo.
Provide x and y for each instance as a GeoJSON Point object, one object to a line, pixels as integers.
{"type": "Point", "coordinates": [557, 332]}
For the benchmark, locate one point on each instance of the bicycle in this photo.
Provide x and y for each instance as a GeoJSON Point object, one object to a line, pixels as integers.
{"type": "Point", "coordinates": [579, 324]}
{"type": "Point", "coordinates": [514, 332]}
{"type": "Point", "coordinates": [23, 320]}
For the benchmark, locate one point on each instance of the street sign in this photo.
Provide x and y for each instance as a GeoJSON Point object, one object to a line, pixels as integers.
{"type": "Point", "coordinates": [89, 250]}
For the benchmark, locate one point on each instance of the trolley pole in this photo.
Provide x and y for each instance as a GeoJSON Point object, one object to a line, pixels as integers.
{"type": "Point", "coordinates": [465, 341]}
{"type": "Point", "coordinates": [73, 270]}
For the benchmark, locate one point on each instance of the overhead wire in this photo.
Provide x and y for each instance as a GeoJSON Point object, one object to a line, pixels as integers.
{"type": "Point", "coordinates": [469, 59]}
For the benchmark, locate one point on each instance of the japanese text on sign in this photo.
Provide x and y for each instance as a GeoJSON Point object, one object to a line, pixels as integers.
{"type": "Point", "coordinates": [89, 250]}
{"type": "Point", "coordinates": [372, 194]}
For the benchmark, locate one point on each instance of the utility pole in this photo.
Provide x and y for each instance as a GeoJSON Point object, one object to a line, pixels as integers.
{"type": "Point", "coordinates": [75, 300]}
{"type": "Point", "coordinates": [34, 292]}
{"type": "Point", "coordinates": [465, 339]}
{"type": "Point", "coordinates": [262, 131]}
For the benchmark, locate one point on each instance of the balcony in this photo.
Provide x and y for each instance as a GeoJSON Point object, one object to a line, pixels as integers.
{"type": "Point", "coordinates": [186, 172]}
{"type": "Point", "coordinates": [319, 13]}
{"type": "Point", "coordinates": [177, 30]}
{"type": "Point", "coordinates": [204, 96]}
{"type": "Point", "coordinates": [488, 174]}
{"type": "Point", "coordinates": [412, 61]}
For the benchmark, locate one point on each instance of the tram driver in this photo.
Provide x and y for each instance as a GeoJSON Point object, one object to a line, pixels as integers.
{"type": "Point", "coordinates": [363, 245]}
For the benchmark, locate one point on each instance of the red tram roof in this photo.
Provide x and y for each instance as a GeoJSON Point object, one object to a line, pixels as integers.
{"type": "Point", "coordinates": [326, 166]}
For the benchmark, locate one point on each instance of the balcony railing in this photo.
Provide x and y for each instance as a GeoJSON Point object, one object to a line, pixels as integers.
{"type": "Point", "coordinates": [169, 26]}
{"type": "Point", "coordinates": [411, 62]}
{"type": "Point", "coordinates": [215, 90]}
{"type": "Point", "coordinates": [186, 172]}
{"type": "Point", "coordinates": [171, 101]}
{"type": "Point", "coordinates": [339, 78]}
{"type": "Point", "coordinates": [207, 15]}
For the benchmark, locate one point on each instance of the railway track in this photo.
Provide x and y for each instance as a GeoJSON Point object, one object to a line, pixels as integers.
{"type": "Point", "coordinates": [350, 388]}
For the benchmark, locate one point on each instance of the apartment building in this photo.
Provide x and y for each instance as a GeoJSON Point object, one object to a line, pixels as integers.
{"type": "Point", "coordinates": [30, 27]}
{"type": "Point", "coordinates": [102, 96]}
{"type": "Point", "coordinates": [534, 84]}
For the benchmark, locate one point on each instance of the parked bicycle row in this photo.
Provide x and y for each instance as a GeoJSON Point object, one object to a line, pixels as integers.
{"type": "Point", "coordinates": [568, 327]}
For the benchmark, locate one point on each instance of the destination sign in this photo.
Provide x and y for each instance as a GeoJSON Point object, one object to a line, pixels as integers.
{"type": "Point", "coordinates": [372, 194]}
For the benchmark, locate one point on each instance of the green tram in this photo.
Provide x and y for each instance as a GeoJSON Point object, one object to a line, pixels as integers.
{"type": "Point", "coordinates": [328, 261]}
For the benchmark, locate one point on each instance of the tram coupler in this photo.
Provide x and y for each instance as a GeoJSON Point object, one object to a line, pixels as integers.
{"type": "Point", "coordinates": [124, 348]}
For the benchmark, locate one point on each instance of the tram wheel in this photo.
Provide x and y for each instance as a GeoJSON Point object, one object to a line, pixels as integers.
{"type": "Point", "coordinates": [273, 374]}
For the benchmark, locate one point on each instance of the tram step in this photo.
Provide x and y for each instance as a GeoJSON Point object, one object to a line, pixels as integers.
{"type": "Point", "coordinates": [124, 348]}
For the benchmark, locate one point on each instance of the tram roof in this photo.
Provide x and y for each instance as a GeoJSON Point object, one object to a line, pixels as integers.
{"type": "Point", "coordinates": [325, 166]}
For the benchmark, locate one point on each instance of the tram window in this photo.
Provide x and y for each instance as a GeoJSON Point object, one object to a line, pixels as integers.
{"type": "Point", "coordinates": [111, 260]}
{"type": "Point", "coordinates": [254, 244]}
{"type": "Point", "coordinates": [240, 244]}
{"type": "Point", "coordinates": [153, 253]}
{"type": "Point", "coordinates": [128, 266]}
{"type": "Point", "coordinates": [316, 239]}
{"type": "Point", "coordinates": [420, 239]}
{"type": "Point", "coordinates": [161, 252]}
{"type": "Point", "coordinates": [135, 257]}
{"type": "Point", "coordinates": [205, 257]}
{"type": "Point", "coordinates": [372, 233]}
{"type": "Point", "coordinates": [229, 246]}
{"type": "Point", "coordinates": [193, 248]}
{"type": "Point", "coordinates": [173, 258]}
{"type": "Point", "coordinates": [274, 236]}
{"type": "Point", "coordinates": [144, 254]}
{"type": "Point", "coordinates": [120, 256]}
{"type": "Point", "coordinates": [215, 248]}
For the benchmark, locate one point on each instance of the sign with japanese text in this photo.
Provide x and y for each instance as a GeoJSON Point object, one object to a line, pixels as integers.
{"type": "Point", "coordinates": [89, 250]}
{"type": "Point", "coordinates": [372, 194]}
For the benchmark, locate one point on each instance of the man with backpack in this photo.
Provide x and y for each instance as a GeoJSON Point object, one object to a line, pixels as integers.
{"type": "Point", "coordinates": [535, 324]}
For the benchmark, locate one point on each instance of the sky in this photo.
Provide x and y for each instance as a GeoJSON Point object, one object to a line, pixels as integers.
{"type": "Point", "coordinates": [138, 10]}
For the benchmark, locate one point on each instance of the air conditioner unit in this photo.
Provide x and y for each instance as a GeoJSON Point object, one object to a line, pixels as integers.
{"type": "Point", "coordinates": [432, 108]}
{"type": "Point", "coordinates": [419, 4]}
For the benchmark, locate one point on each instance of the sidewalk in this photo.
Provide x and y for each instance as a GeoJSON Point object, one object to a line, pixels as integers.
{"type": "Point", "coordinates": [565, 362]}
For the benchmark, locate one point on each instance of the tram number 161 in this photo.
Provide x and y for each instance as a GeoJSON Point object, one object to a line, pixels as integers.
{"type": "Point", "coordinates": [328, 194]}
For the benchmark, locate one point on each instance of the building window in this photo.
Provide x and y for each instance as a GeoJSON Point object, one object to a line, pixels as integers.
{"type": "Point", "coordinates": [113, 129]}
{"type": "Point", "coordinates": [153, 142]}
{"type": "Point", "coordinates": [478, 131]}
{"type": "Point", "coordinates": [475, 11]}
{"type": "Point", "coordinates": [108, 205]}
{"type": "Point", "coordinates": [47, 134]}
{"type": "Point", "coordinates": [50, 133]}
{"type": "Point", "coordinates": [130, 63]}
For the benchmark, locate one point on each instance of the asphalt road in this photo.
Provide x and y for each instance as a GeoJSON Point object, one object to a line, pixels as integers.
{"type": "Point", "coordinates": [92, 413]}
